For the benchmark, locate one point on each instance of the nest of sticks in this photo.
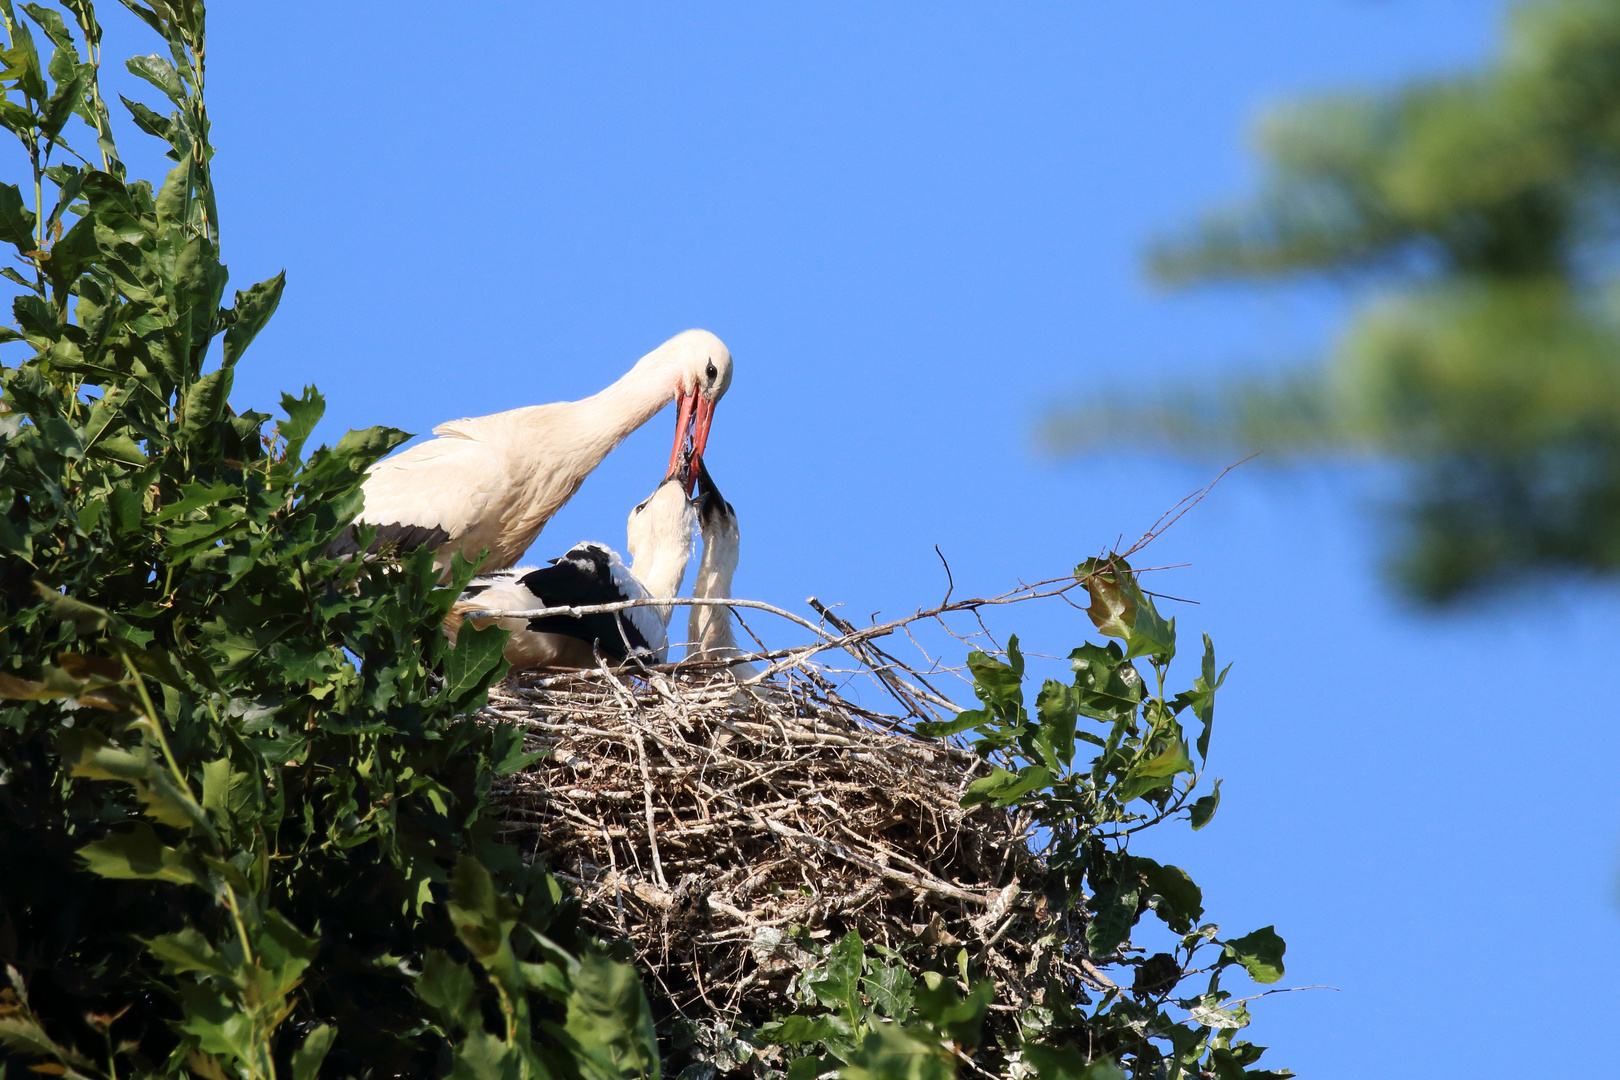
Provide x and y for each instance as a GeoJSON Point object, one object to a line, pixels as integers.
{"type": "Point", "coordinates": [718, 828]}
{"type": "Point", "coordinates": [702, 823]}
{"type": "Point", "coordinates": [721, 830]}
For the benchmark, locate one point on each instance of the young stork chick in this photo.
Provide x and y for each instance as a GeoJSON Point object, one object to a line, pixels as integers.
{"type": "Point", "coordinates": [659, 537]}
{"type": "Point", "coordinates": [708, 630]}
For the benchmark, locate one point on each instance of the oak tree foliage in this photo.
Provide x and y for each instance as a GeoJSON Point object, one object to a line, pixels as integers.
{"type": "Point", "coordinates": [241, 835]}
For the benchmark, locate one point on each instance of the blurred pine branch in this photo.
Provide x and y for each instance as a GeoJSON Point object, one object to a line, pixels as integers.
{"type": "Point", "coordinates": [1476, 218]}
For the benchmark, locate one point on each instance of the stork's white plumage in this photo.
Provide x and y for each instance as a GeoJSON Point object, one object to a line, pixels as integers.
{"type": "Point", "coordinates": [709, 633]}
{"type": "Point", "coordinates": [659, 537]}
{"type": "Point", "coordinates": [494, 481]}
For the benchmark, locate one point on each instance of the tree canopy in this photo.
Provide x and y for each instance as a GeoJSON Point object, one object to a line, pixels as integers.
{"type": "Point", "coordinates": [1477, 215]}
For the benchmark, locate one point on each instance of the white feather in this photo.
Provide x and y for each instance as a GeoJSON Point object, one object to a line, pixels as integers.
{"type": "Point", "coordinates": [494, 481]}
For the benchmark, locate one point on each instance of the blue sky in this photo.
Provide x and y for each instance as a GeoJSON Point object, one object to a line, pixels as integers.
{"type": "Point", "coordinates": [916, 226]}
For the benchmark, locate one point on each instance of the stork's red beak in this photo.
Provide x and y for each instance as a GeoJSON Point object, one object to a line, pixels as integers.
{"type": "Point", "coordinates": [683, 421]}
{"type": "Point", "coordinates": [693, 420]}
{"type": "Point", "coordinates": [700, 433]}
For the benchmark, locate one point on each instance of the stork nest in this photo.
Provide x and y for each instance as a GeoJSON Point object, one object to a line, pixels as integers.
{"type": "Point", "coordinates": [722, 832]}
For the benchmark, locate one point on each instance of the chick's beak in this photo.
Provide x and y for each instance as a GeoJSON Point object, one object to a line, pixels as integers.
{"type": "Point", "coordinates": [705, 483]}
{"type": "Point", "coordinates": [683, 473]}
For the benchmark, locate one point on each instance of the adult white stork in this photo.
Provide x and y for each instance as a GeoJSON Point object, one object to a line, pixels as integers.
{"type": "Point", "coordinates": [659, 536]}
{"type": "Point", "coordinates": [494, 481]}
{"type": "Point", "coordinates": [708, 629]}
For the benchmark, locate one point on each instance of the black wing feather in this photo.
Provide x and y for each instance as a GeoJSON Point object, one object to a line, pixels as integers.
{"type": "Point", "coordinates": [581, 578]}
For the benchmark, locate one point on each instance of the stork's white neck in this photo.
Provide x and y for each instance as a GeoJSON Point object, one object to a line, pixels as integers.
{"type": "Point", "coordinates": [709, 628]}
{"type": "Point", "coordinates": [555, 447]}
{"type": "Point", "coordinates": [616, 411]}
{"type": "Point", "coordinates": [569, 439]}
{"type": "Point", "coordinates": [659, 536]}
{"type": "Point", "coordinates": [662, 570]}
{"type": "Point", "coordinates": [719, 565]}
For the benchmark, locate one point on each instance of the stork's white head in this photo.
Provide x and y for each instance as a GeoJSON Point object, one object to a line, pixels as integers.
{"type": "Point", "coordinates": [699, 366]}
{"type": "Point", "coordinates": [701, 362]}
{"type": "Point", "coordinates": [659, 536]}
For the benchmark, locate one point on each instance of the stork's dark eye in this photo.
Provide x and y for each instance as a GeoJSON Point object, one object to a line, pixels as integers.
{"type": "Point", "coordinates": [640, 507]}
{"type": "Point", "coordinates": [711, 371]}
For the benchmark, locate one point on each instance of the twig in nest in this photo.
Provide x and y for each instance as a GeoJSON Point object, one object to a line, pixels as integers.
{"type": "Point", "coordinates": [652, 823]}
